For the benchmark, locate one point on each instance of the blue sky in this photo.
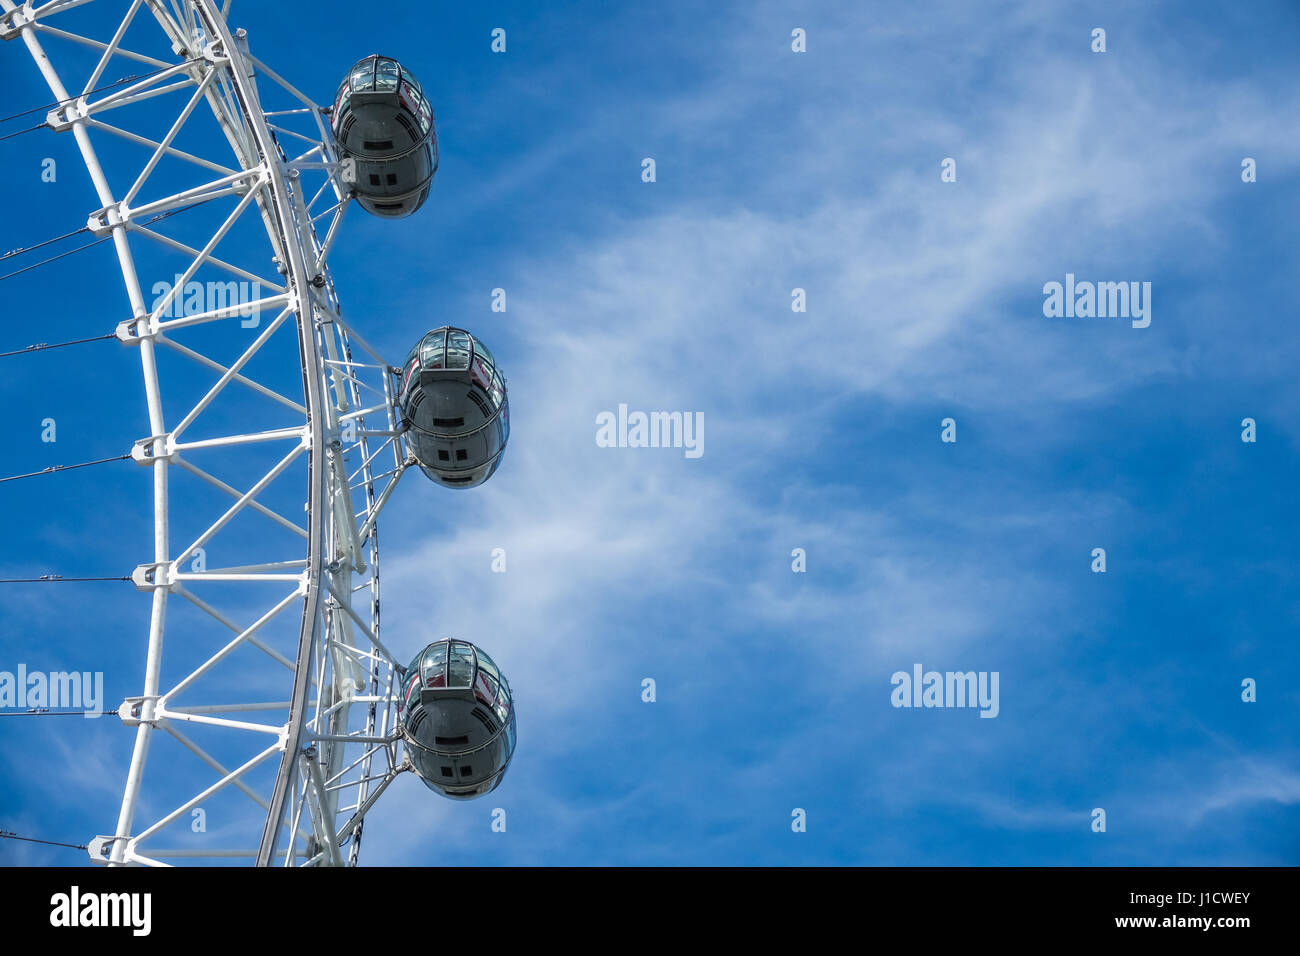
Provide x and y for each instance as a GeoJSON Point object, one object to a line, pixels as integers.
{"type": "Point", "coordinates": [778, 170]}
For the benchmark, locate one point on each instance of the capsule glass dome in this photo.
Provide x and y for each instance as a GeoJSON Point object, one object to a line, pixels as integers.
{"type": "Point", "coordinates": [457, 718]}
{"type": "Point", "coordinates": [384, 123]}
{"type": "Point", "coordinates": [453, 401]}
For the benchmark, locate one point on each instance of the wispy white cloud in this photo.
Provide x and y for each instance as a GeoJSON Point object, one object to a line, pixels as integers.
{"type": "Point", "coordinates": [918, 291]}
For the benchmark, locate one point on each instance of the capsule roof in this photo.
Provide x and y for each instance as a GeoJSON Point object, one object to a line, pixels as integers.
{"type": "Point", "coordinates": [376, 73]}
{"type": "Point", "coordinates": [451, 664]}
{"type": "Point", "coordinates": [383, 74]}
{"type": "Point", "coordinates": [449, 349]}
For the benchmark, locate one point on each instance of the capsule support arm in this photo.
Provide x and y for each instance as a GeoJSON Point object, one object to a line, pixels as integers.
{"type": "Point", "coordinates": [384, 495]}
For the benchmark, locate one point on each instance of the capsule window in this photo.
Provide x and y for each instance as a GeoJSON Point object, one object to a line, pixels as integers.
{"type": "Point", "coordinates": [363, 77]}
{"type": "Point", "coordinates": [446, 771]}
{"type": "Point", "coordinates": [466, 770]}
{"type": "Point", "coordinates": [392, 179]}
{"type": "Point", "coordinates": [433, 666]}
{"type": "Point", "coordinates": [487, 665]}
{"type": "Point", "coordinates": [422, 108]}
{"type": "Point", "coordinates": [460, 665]}
{"type": "Point", "coordinates": [462, 454]}
{"type": "Point", "coordinates": [387, 75]}
{"type": "Point", "coordinates": [442, 455]}
{"type": "Point", "coordinates": [374, 179]}
{"type": "Point", "coordinates": [432, 349]}
{"type": "Point", "coordinates": [458, 349]}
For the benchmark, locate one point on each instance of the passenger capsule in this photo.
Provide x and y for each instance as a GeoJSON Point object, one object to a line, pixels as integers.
{"type": "Point", "coordinates": [457, 719]}
{"type": "Point", "coordinates": [383, 122]}
{"type": "Point", "coordinates": [453, 403]}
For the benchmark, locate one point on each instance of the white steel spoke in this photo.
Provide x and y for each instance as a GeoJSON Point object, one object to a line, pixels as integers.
{"type": "Point", "coordinates": [230, 708]}
{"type": "Point", "coordinates": [235, 184]}
{"type": "Point", "coordinates": [221, 618]}
{"type": "Point", "coordinates": [279, 434]}
{"type": "Point", "coordinates": [239, 505]}
{"type": "Point", "coordinates": [220, 234]}
{"type": "Point", "coordinates": [170, 150]}
{"type": "Point", "coordinates": [111, 48]}
{"type": "Point", "coordinates": [99, 45]}
{"type": "Point", "coordinates": [225, 312]}
{"type": "Point", "coordinates": [168, 241]}
{"type": "Point", "coordinates": [215, 788]}
{"type": "Point", "coordinates": [166, 143]}
{"type": "Point", "coordinates": [234, 493]}
{"type": "Point", "coordinates": [215, 765]}
{"type": "Point", "coordinates": [217, 366]}
{"type": "Point", "coordinates": [146, 89]}
{"type": "Point", "coordinates": [230, 373]}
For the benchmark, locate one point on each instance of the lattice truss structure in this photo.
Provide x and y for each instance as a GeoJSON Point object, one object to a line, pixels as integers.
{"type": "Point", "coordinates": [265, 727]}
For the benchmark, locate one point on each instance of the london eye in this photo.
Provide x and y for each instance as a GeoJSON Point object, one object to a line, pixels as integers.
{"type": "Point", "coordinates": [268, 689]}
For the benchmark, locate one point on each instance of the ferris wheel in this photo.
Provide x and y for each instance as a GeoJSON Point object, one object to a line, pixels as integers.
{"type": "Point", "coordinates": [271, 709]}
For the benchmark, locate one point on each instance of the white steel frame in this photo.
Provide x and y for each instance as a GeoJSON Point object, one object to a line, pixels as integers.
{"type": "Point", "coordinates": [334, 760]}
